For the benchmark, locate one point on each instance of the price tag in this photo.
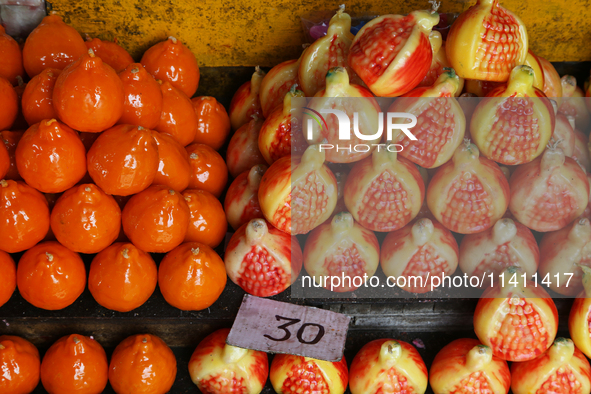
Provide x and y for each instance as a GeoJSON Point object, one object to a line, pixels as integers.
{"type": "Point", "coordinates": [280, 327]}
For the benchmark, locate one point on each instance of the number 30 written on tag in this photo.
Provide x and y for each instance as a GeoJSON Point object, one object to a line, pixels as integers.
{"type": "Point", "coordinates": [300, 332]}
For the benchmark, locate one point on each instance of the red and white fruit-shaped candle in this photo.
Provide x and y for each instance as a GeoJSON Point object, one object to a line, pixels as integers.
{"type": "Point", "coordinates": [246, 102]}
{"type": "Point", "coordinates": [573, 102]}
{"type": "Point", "coordinates": [297, 194]}
{"type": "Point", "coordinates": [469, 193]}
{"type": "Point", "coordinates": [562, 369]}
{"type": "Point", "coordinates": [243, 150]}
{"type": "Point", "coordinates": [275, 85]}
{"type": "Point", "coordinates": [552, 84]}
{"type": "Point", "coordinates": [384, 192]}
{"type": "Point", "coordinates": [562, 254]}
{"type": "Point", "coordinates": [392, 53]}
{"type": "Point", "coordinates": [564, 134]}
{"type": "Point", "coordinates": [513, 124]}
{"type": "Point", "coordinates": [506, 244]}
{"type": "Point", "coordinates": [388, 366]}
{"type": "Point", "coordinates": [342, 249]}
{"type": "Point", "coordinates": [581, 153]}
{"type": "Point", "coordinates": [262, 260]}
{"type": "Point", "coordinates": [242, 200]}
{"type": "Point", "coordinates": [486, 42]}
{"type": "Point", "coordinates": [515, 318]}
{"type": "Point", "coordinates": [218, 368]}
{"type": "Point", "coordinates": [292, 374]}
{"type": "Point", "coordinates": [440, 122]}
{"type": "Point", "coordinates": [439, 62]}
{"type": "Point", "coordinates": [362, 112]}
{"type": "Point", "coordinates": [422, 249]}
{"type": "Point", "coordinates": [341, 175]}
{"type": "Point", "coordinates": [549, 192]}
{"type": "Point", "coordinates": [587, 211]}
{"type": "Point", "coordinates": [580, 316]}
{"type": "Point", "coordinates": [532, 61]}
{"type": "Point", "coordinates": [467, 366]}
{"type": "Point", "coordinates": [281, 133]}
{"type": "Point", "coordinates": [327, 52]}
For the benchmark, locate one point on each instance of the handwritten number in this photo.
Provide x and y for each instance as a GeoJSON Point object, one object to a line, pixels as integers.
{"type": "Point", "coordinates": [300, 332]}
{"type": "Point", "coordinates": [318, 337]}
{"type": "Point", "coordinates": [284, 328]}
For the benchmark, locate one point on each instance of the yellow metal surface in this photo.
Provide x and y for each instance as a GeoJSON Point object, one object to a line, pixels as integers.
{"type": "Point", "coordinates": [263, 32]}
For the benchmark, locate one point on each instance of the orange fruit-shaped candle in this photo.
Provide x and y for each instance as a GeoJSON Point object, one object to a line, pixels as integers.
{"type": "Point", "coordinates": [4, 160]}
{"type": "Point", "coordinates": [88, 139]}
{"type": "Point", "coordinates": [10, 140]}
{"type": "Point", "coordinates": [213, 122]}
{"type": "Point", "coordinates": [20, 122]}
{"type": "Point", "coordinates": [156, 220]}
{"type": "Point", "coordinates": [178, 117]}
{"type": "Point", "coordinates": [123, 160]}
{"type": "Point", "coordinates": [88, 95]}
{"type": "Point", "coordinates": [192, 276]}
{"type": "Point", "coordinates": [52, 44]}
{"type": "Point", "coordinates": [143, 97]}
{"type": "Point", "coordinates": [12, 58]}
{"type": "Point", "coordinates": [208, 223]}
{"type": "Point", "coordinates": [51, 157]}
{"type": "Point", "coordinates": [110, 52]}
{"type": "Point", "coordinates": [50, 276]}
{"type": "Point", "coordinates": [8, 104]}
{"type": "Point", "coordinates": [85, 219]}
{"type": "Point", "coordinates": [174, 170]}
{"type": "Point", "coordinates": [486, 42]}
{"type": "Point", "coordinates": [142, 364]}
{"type": "Point", "coordinates": [24, 216]}
{"type": "Point", "coordinates": [8, 275]}
{"type": "Point", "coordinates": [75, 364]}
{"type": "Point", "coordinates": [208, 169]}
{"type": "Point", "coordinates": [37, 101]}
{"type": "Point", "coordinates": [172, 61]}
{"type": "Point", "coordinates": [122, 277]}
{"type": "Point", "coordinates": [219, 368]}
{"type": "Point", "coordinates": [20, 364]}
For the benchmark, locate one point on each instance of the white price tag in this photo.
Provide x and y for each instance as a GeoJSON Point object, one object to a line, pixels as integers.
{"type": "Point", "coordinates": [280, 327]}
